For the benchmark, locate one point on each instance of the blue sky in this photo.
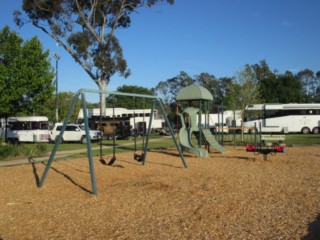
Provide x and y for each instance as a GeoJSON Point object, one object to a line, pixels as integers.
{"type": "Point", "coordinates": [214, 36]}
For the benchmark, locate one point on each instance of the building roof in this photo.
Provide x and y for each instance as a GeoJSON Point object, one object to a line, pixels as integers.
{"type": "Point", "coordinates": [194, 92]}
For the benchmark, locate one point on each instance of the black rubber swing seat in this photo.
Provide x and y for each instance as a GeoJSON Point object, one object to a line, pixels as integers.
{"type": "Point", "coordinates": [112, 161]}
{"type": "Point", "coordinates": [138, 157]}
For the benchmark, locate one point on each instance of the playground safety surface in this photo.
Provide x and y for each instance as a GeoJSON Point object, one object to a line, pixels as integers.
{"type": "Point", "coordinates": [233, 195]}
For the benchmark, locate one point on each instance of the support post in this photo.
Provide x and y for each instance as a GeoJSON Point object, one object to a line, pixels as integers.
{"type": "Point", "coordinates": [148, 134]}
{"type": "Point", "coordinates": [89, 150]}
{"type": "Point", "coordinates": [172, 134]}
{"type": "Point", "coordinates": [57, 143]}
{"type": "Point", "coordinates": [199, 125]}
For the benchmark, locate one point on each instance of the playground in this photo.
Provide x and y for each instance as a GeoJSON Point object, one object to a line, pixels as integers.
{"type": "Point", "coordinates": [229, 195]}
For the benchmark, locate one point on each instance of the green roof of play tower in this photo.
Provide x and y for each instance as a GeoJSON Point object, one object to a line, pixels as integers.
{"type": "Point", "coordinates": [194, 92]}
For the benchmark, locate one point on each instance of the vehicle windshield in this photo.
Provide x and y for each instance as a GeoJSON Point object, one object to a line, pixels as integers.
{"type": "Point", "coordinates": [82, 127]}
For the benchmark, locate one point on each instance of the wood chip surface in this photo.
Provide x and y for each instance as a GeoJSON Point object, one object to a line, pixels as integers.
{"type": "Point", "coordinates": [233, 195]}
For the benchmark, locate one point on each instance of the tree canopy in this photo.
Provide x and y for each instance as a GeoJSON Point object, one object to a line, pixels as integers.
{"type": "Point", "coordinates": [65, 101]}
{"type": "Point", "coordinates": [26, 75]}
{"type": "Point", "coordinates": [130, 102]}
{"type": "Point", "coordinates": [168, 90]}
{"type": "Point", "coordinates": [86, 30]}
{"type": "Point", "coordinates": [254, 84]}
{"type": "Point", "coordinates": [244, 90]}
{"type": "Point", "coordinates": [302, 87]}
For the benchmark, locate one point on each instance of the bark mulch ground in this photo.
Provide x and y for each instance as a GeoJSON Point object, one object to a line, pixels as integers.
{"type": "Point", "coordinates": [234, 195]}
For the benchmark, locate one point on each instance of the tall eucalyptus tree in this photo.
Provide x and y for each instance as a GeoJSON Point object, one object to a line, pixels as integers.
{"type": "Point", "coordinates": [87, 31]}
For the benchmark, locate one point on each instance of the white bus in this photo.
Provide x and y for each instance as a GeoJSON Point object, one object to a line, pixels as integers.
{"type": "Point", "coordinates": [27, 129]}
{"type": "Point", "coordinates": [283, 118]}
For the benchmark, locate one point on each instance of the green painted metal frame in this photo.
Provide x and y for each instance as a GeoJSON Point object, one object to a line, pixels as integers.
{"type": "Point", "coordinates": [81, 93]}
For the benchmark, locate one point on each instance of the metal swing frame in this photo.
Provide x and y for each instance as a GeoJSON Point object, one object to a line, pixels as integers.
{"type": "Point", "coordinates": [82, 93]}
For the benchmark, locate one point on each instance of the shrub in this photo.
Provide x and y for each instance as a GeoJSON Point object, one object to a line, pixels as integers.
{"type": "Point", "coordinates": [24, 150]}
{"type": "Point", "coordinates": [39, 150]}
{"type": "Point", "coordinates": [7, 151]}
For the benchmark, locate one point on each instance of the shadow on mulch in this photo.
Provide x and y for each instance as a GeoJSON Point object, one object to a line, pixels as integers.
{"type": "Point", "coordinates": [313, 230]}
{"type": "Point", "coordinates": [154, 163]}
{"type": "Point", "coordinates": [37, 178]}
{"type": "Point", "coordinates": [34, 170]}
{"type": "Point", "coordinates": [240, 158]}
{"type": "Point", "coordinates": [106, 161]}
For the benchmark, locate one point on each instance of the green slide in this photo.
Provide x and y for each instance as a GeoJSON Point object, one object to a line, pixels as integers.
{"type": "Point", "coordinates": [189, 125]}
{"type": "Point", "coordinates": [188, 147]}
{"type": "Point", "coordinates": [211, 141]}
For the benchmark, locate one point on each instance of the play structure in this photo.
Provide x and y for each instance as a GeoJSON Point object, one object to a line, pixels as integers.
{"type": "Point", "coordinates": [138, 156]}
{"type": "Point", "coordinates": [191, 124]}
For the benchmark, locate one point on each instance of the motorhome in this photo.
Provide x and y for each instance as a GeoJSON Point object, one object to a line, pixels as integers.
{"type": "Point", "coordinates": [26, 129]}
{"type": "Point", "coordinates": [283, 118]}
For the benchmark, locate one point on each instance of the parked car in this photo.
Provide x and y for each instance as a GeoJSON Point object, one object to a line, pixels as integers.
{"type": "Point", "coordinates": [73, 133]}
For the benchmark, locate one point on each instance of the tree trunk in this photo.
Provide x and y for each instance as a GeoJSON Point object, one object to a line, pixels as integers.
{"type": "Point", "coordinates": [102, 87]}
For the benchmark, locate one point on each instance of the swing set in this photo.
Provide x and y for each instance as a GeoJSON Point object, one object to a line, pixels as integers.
{"type": "Point", "coordinates": [138, 157]}
{"type": "Point", "coordinates": [113, 159]}
{"type": "Point", "coordinates": [145, 143]}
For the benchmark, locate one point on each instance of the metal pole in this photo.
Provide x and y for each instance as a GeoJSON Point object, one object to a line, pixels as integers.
{"type": "Point", "coordinates": [148, 134]}
{"type": "Point", "coordinates": [89, 150]}
{"type": "Point", "coordinates": [102, 133]}
{"type": "Point", "coordinates": [57, 57]}
{"type": "Point", "coordinates": [57, 143]}
{"type": "Point", "coordinates": [199, 125]}
{"type": "Point", "coordinates": [185, 164]}
{"type": "Point", "coordinates": [234, 125]}
{"type": "Point", "coordinates": [222, 122]}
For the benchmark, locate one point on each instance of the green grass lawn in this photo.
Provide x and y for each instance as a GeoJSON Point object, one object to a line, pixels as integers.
{"type": "Point", "coordinates": [76, 146]}
{"type": "Point", "coordinates": [163, 143]}
{"type": "Point", "coordinates": [302, 139]}
{"type": "Point", "coordinates": [291, 140]}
